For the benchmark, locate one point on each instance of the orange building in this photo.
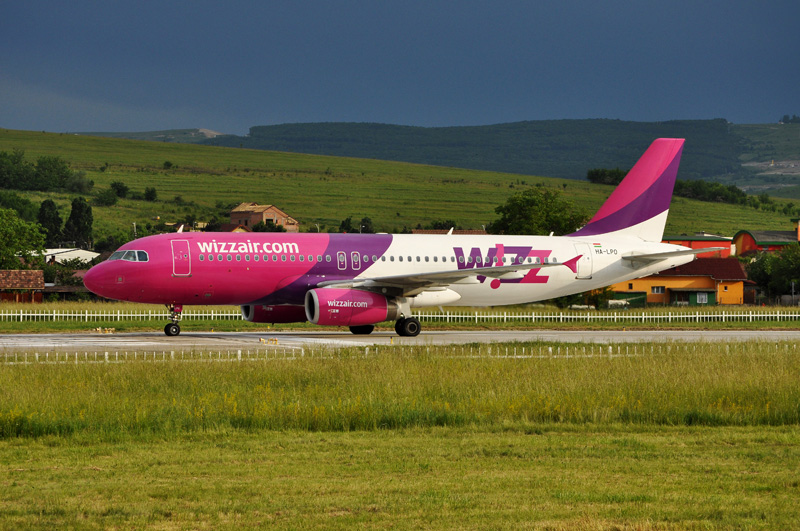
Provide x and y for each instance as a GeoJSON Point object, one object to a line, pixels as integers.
{"type": "Point", "coordinates": [704, 281]}
{"type": "Point", "coordinates": [248, 214]}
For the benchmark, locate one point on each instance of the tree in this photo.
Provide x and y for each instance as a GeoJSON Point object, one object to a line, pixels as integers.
{"type": "Point", "coordinates": [366, 226]}
{"type": "Point", "coordinates": [106, 197]}
{"type": "Point", "coordinates": [267, 226]}
{"type": "Point", "coordinates": [346, 225]}
{"type": "Point", "coordinates": [51, 222]}
{"type": "Point", "coordinates": [15, 171]}
{"type": "Point", "coordinates": [150, 194]}
{"type": "Point", "coordinates": [775, 272]}
{"type": "Point", "coordinates": [51, 173]}
{"type": "Point", "coordinates": [18, 239]}
{"type": "Point", "coordinates": [537, 211]}
{"type": "Point", "coordinates": [78, 227]}
{"type": "Point", "coordinates": [605, 176]}
{"type": "Point", "coordinates": [120, 188]}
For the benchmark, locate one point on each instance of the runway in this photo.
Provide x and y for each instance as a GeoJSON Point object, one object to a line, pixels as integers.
{"type": "Point", "coordinates": [157, 341]}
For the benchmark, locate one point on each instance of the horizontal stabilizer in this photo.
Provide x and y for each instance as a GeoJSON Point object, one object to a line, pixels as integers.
{"type": "Point", "coordinates": [641, 260]}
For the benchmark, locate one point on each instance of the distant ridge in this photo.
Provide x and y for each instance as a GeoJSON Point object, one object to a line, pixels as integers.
{"type": "Point", "coordinates": [182, 136]}
{"type": "Point", "coordinates": [555, 148]}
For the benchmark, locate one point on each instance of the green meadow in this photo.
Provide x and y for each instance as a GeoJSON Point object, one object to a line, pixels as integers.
{"type": "Point", "coordinates": [320, 190]}
{"type": "Point", "coordinates": [673, 437]}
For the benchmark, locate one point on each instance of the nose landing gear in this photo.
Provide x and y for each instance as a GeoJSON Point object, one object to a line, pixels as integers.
{"type": "Point", "coordinates": [173, 328]}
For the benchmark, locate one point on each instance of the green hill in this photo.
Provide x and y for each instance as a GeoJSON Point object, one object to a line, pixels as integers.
{"type": "Point", "coordinates": [201, 181]}
{"type": "Point", "coordinates": [557, 148]}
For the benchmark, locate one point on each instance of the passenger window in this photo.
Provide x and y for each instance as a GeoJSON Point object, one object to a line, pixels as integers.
{"type": "Point", "coordinates": [247, 257]}
{"type": "Point", "coordinates": [274, 257]}
{"type": "Point", "coordinates": [319, 258]}
{"type": "Point", "coordinates": [302, 258]}
{"type": "Point", "coordinates": [283, 258]}
{"type": "Point", "coordinates": [229, 258]}
{"type": "Point", "coordinates": [238, 258]}
{"type": "Point", "coordinates": [211, 258]}
{"type": "Point", "coordinates": [255, 257]}
{"type": "Point", "coordinates": [327, 258]}
{"type": "Point", "coordinates": [400, 258]}
{"type": "Point", "coordinates": [201, 258]}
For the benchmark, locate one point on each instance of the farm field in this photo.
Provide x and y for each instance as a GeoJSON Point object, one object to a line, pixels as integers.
{"type": "Point", "coordinates": [319, 190]}
{"type": "Point", "coordinates": [672, 438]}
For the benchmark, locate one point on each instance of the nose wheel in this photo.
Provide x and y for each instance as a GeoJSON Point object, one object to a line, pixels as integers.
{"type": "Point", "coordinates": [173, 328]}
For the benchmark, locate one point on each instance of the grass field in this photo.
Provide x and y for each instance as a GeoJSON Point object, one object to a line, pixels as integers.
{"type": "Point", "coordinates": [321, 190]}
{"type": "Point", "coordinates": [697, 437]}
{"type": "Point", "coordinates": [543, 477]}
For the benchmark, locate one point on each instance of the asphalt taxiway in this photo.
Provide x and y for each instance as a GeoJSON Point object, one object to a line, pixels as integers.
{"type": "Point", "coordinates": [157, 341]}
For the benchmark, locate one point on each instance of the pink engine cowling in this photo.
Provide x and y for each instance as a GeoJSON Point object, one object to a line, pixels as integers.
{"type": "Point", "coordinates": [259, 313]}
{"type": "Point", "coordinates": [348, 307]}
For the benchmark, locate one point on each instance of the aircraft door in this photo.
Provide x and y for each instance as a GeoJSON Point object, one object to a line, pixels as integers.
{"type": "Point", "coordinates": [584, 265]}
{"type": "Point", "coordinates": [341, 258]}
{"type": "Point", "coordinates": [181, 260]}
{"type": "Point", "coordinates": [355, 259]}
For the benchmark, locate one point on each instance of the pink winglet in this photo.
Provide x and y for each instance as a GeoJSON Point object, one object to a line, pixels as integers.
{"type": "Point", "coordinates": [573, 263]}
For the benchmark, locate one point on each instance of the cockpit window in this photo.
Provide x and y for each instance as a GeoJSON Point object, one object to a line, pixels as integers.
{"type": "Point", "coordinates": [130, 256]}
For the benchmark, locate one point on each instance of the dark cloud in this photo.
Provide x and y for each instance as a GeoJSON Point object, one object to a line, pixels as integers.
{"type": "Point", "coordinates": [227, 66]}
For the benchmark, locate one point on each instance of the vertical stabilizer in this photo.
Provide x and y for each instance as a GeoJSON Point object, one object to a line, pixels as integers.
{"type": "Point", "coordinates": [640, 204]}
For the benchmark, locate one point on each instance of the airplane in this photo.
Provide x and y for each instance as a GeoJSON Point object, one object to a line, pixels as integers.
{"type": "Point", "coordinates": [359, 280]}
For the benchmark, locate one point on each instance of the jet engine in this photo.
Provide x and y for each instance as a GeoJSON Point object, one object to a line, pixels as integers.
{"type": "Point", "coordinates": [349, 307]}
{"type": "Point", "coordinates": [259, 313]}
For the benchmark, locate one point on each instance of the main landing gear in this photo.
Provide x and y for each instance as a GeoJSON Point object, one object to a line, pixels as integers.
{"type": "Point", "coordinates": [173, 328]}
{"type": "Point", "coordinates": [407, 327]}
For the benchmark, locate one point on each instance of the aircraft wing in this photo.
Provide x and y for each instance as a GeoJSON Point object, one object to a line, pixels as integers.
{"type": "Point", "coordinates": [415, 283]}
{"type": "Point", "coordinates": [642, 260]}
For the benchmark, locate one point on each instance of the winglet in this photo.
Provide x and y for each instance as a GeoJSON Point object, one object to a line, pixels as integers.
{"type": "Point", "coordinates": [572, 264]}
{"type": "Point", "coordinates": [639, 205]}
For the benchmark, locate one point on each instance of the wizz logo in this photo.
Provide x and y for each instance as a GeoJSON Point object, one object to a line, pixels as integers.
{"type": "Point", "coordinates": [494, 257]}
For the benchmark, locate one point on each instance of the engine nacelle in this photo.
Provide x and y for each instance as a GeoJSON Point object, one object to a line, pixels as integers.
{"type": "Point", "coordinates": [259, 313]}
{"type": "Point", "coordinates": [349, 307]}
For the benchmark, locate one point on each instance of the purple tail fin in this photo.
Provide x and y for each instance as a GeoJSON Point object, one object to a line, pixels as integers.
{"type": "Point", "coordinates": [639, 205]}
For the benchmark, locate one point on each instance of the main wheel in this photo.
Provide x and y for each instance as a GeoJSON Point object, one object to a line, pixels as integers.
{"type": "Point", "coordinates": [362, 330]}
{"type": "Point", "coordinates": [409, 327]}
{"type": "Point", "coordinates": [172, 329]}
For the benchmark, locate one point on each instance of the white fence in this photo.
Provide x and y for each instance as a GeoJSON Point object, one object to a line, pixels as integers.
{"type": "Point", "coordinates": [744, 315]}
{"type": "Point", "coordinates": [93, 315]}
{"type": "Point", "coordinates": [616, 317]}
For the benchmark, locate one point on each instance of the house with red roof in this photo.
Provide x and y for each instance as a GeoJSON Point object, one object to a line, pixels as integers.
{"type": "Point", "coordinates": [705, 281]}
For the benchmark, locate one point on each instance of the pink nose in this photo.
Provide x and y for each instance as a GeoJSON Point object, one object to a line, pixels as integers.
{"type": "Point", "coordinates": [102, 280]}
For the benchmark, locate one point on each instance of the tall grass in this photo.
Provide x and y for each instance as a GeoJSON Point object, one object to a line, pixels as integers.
{"type": "Point", "coordinates": [738, 384]}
